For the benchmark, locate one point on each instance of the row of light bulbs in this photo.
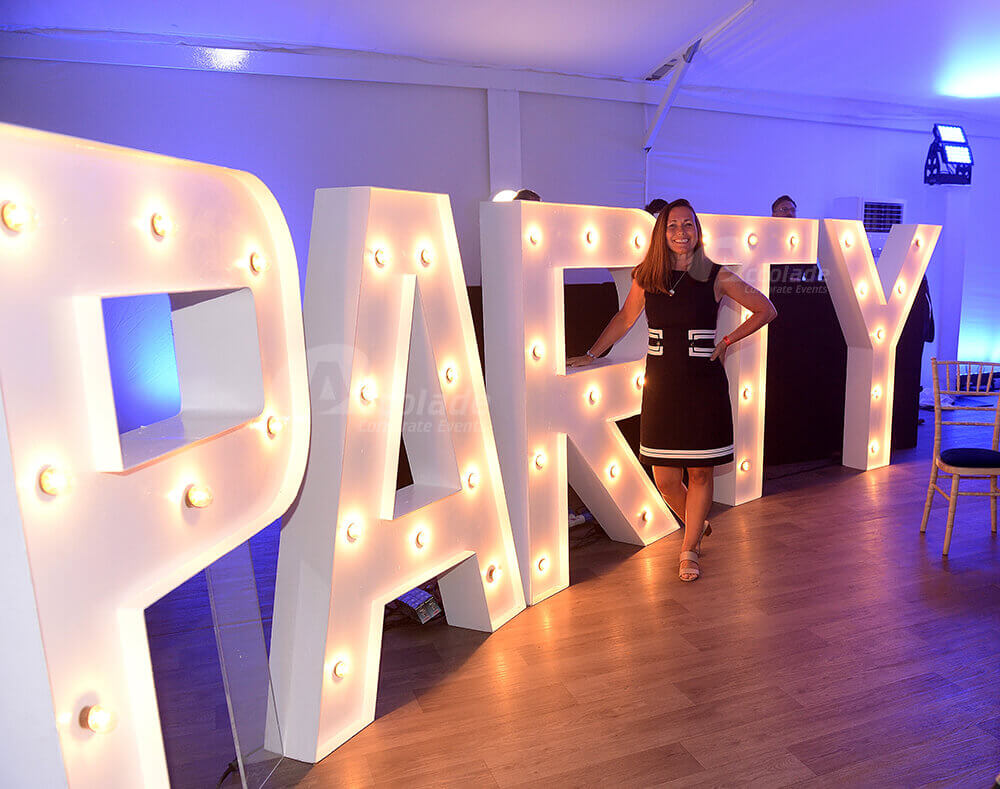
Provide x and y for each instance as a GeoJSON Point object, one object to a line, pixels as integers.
{"type": "Point", "coordinates": [862, 289]}
{"type": "Point", "coordinates": [53, 481]}
{"type": "Point", "coordinates": [382, 258]}
{"type": "Point", "coordinates": [753, 240]}
{"type": "Point", "coordinates": [590, 238]}
{"type": "Point", "coordinates": [17, 218]}
{"type": "Point", "coordinates": [848, 240]}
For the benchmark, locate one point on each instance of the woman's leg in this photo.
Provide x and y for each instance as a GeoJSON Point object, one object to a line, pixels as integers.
{"type": "Point", "coordinates": [701, 483]}
{"type": "Point", "coordinates": [670, 483]}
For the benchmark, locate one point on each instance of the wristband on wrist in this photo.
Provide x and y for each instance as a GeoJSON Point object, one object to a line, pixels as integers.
{"type": "Point", "coordinates": [591, 355]}
{"type": "Point", "coordinates": [726, 340]}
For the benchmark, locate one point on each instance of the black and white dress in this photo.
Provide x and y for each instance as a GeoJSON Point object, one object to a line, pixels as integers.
{"type": "Point", "coordinates": [687, 419]}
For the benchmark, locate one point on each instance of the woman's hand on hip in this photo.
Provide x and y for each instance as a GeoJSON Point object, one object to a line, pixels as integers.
{"type": "Point", "coordinates": [720, 351]}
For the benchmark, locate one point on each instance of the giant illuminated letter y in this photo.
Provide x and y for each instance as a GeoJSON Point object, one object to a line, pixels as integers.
{"type": "Point", "coordinates": [872, 303]}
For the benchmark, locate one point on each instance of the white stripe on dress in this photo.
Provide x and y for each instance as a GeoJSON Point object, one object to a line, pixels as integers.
{"type": "Point", "coordinates": [686, 454]}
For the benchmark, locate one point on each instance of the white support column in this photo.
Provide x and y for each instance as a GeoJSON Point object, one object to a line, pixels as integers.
{"type": "Point", "coordinates": [503, 109]}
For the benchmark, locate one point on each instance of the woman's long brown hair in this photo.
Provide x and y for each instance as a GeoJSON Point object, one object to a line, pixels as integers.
{"type": "Point", "coordinates": [653, 274]}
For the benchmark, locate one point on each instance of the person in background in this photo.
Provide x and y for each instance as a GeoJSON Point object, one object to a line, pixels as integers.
{"type": "Point", "coordinates": [527, 194]}
{"type": "Point", "coordinates": [784, 206]}
{"type": "Point", "coordinates": [655, 205]}
{"type": "Point", "coordinates": [686, 416]}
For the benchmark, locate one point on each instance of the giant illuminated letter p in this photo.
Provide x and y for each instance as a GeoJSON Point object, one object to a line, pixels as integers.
{"type": "Point", "coordinates": [98, 521]}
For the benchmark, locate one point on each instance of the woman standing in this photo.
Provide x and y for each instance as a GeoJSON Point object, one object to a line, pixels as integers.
{"type": "Point", "coordinates": [687, 420]}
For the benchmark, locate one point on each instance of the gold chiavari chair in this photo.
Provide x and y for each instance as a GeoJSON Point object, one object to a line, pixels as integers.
{"type": "Point", "coordinates": [962, 380]}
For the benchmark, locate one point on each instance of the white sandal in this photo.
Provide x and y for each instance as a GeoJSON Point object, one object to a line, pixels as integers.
{"type": "Point", "coordinates": [689, 556]}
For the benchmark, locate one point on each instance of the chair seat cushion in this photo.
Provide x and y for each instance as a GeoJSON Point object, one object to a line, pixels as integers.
{"type": "Point", "coordinates": [971, 458]}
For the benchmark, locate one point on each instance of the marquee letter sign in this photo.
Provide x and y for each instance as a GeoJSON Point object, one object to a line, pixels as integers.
{"type": "Point", "coordinates": [99, 523]}
{"type": "Point", "coordinates": [537, 404]}
{"type": "Point", "coordinates": [391, 347]}
{"type": "Point", "coordinates": [872, 304]}
{"type": "Point", "coordinates": [750, 245]}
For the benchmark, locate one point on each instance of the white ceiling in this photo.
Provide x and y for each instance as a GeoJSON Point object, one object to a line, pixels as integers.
{"type": "Point", "coordinates": [919, 52]}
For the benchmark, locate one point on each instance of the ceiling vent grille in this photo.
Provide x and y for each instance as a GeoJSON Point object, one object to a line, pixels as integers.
{"type": "Point", "coordinates": [880, 217]}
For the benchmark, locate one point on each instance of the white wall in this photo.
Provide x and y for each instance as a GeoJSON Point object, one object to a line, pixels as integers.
{"type": "Point", "coordinates": [295, 134]}
{"type": "Point", "coordinates": [737, 164]}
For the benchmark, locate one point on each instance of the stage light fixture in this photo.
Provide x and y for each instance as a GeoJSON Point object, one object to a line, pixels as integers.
{"type": "Point", "coordinates": [949, 158]}
{"type": "Point", "coordinates": [950, 133]}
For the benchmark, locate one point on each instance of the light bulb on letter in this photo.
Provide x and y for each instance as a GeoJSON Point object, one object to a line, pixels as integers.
{"type": "Point", "coordinates": [160, 225]}
{"type": "Point", "coordinates": [52, 481]}
{"type": "Point", "coordinates": [15, 217]}
{"type": "Point", "coordinates": [258, 263]}
{"type": "Point", "coordinates": [274, 426]}
{"type": "Point", "coordinates": [98, 719]}
{"type": "Point", "coordinates": [198, 496]}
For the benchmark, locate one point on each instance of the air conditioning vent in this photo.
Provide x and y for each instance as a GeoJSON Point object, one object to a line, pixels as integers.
{"type": "Point", "coordinates": [880, 217]}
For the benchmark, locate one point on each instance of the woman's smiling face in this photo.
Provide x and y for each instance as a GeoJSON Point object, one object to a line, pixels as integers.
{"type": "Point", "coordinates": [682, 232]}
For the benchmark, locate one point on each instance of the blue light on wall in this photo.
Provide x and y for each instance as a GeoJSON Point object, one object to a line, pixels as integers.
{"type": "Point", "coordinates": [141, 356]}
{"type": "Point", "coordinates": [979, 343]}
{"type": "Point", "coordinates": [974, 71]}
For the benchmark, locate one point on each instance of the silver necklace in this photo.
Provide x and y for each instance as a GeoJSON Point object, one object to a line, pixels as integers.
{"type": "Point", "coordinates": [671, 289]}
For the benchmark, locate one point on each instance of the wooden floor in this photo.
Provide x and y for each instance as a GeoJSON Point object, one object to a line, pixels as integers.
{"type": "Point", "coordinates": [827, 644]}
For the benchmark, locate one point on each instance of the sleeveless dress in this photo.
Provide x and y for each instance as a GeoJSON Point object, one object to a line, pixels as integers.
{"type": "Point", "coordinates": [687, 419]}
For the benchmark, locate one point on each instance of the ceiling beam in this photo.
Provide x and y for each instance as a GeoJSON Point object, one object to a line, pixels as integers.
{"type": "Point", "coordinates": [676, 66]}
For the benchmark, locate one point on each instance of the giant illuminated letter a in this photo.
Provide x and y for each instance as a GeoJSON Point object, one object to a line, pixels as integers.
{"type": "Point", "coordinates": [97, 523]}
{"type": "Point", "coordinates": [386, 314]}
{"type": "Point", "coordinates": [872, 303]}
